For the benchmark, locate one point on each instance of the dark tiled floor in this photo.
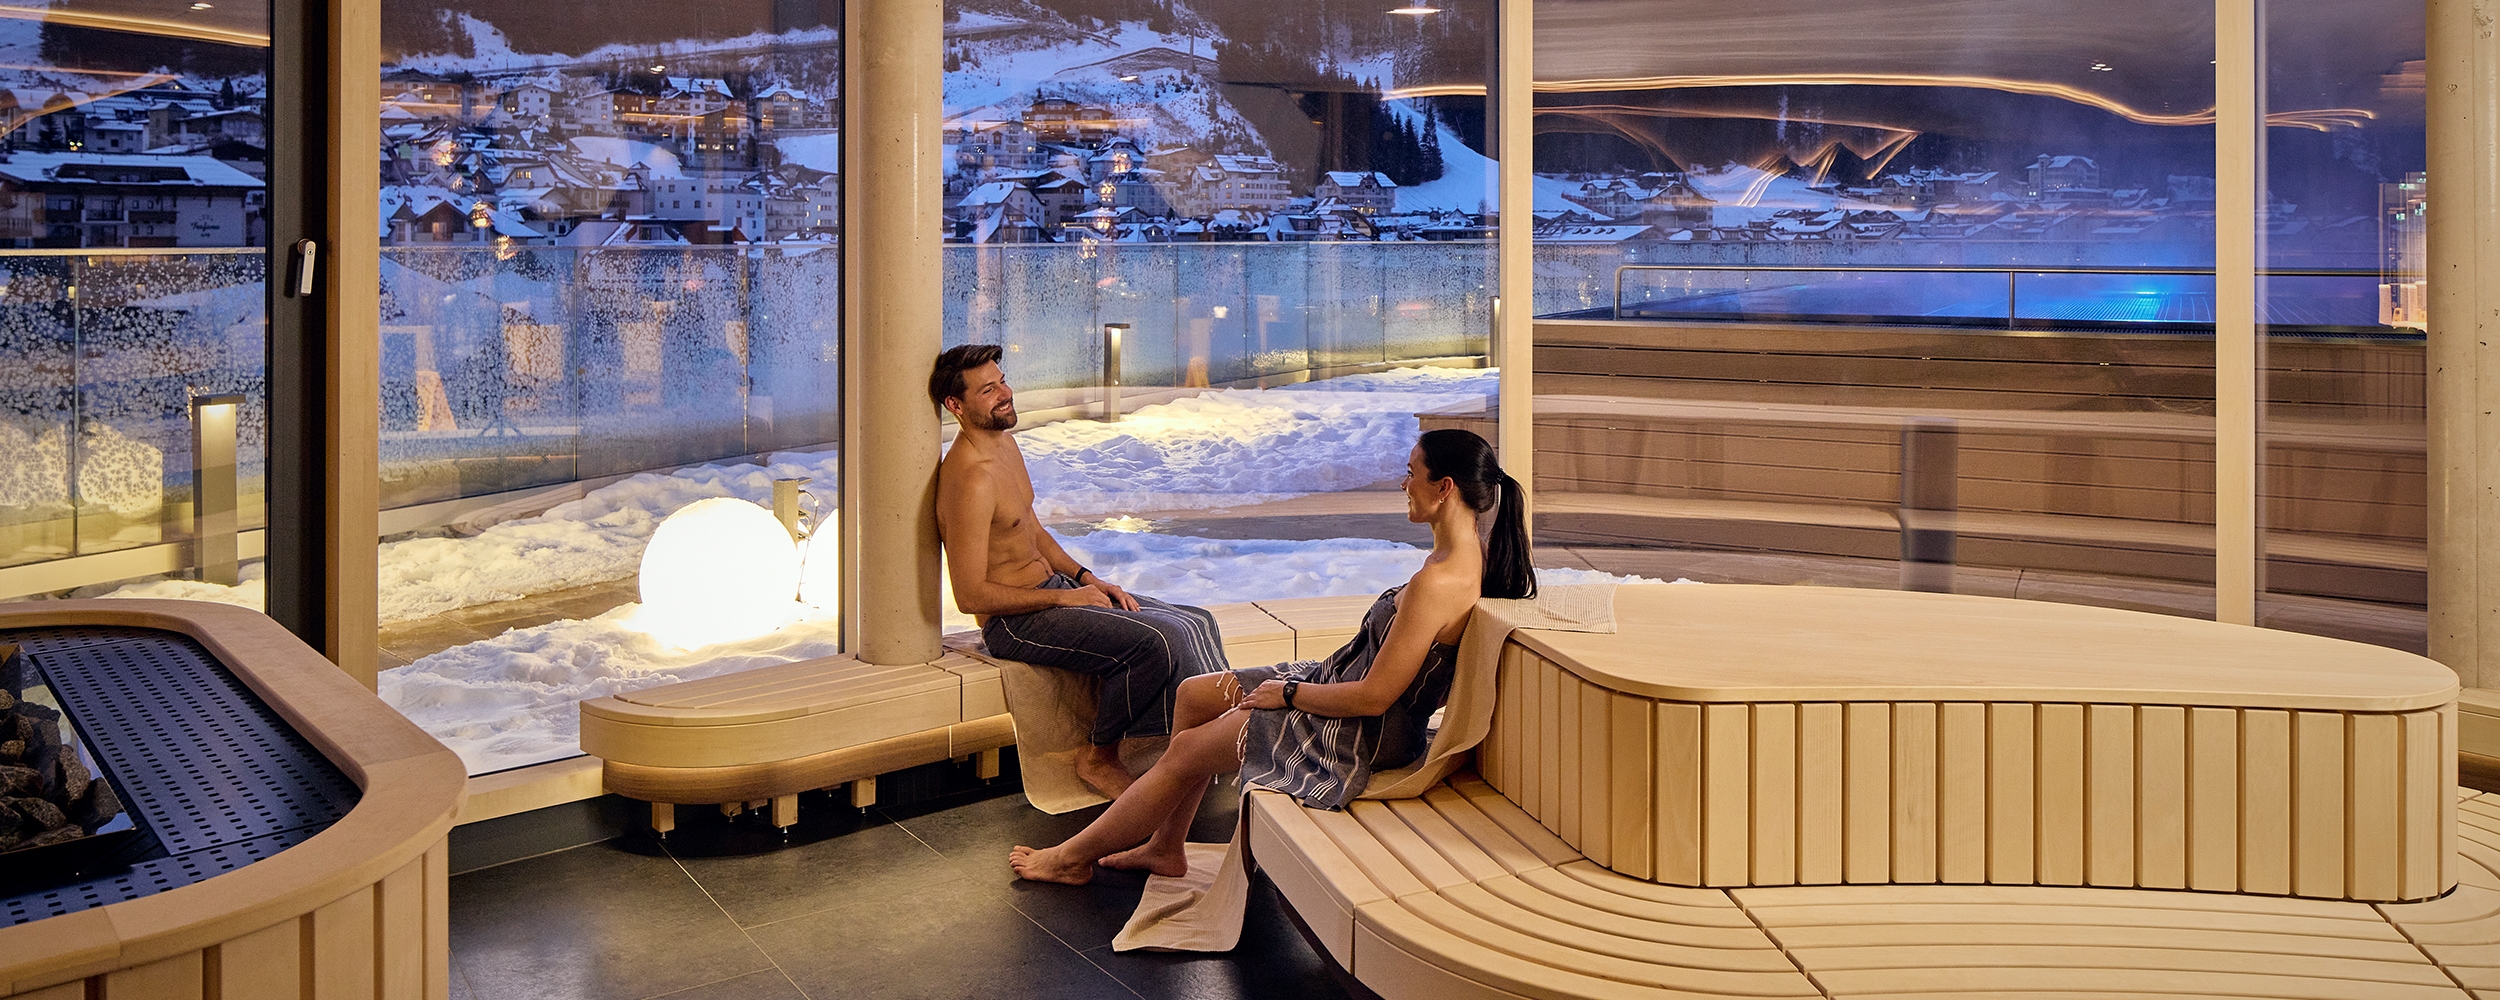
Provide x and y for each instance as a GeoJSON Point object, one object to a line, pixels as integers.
{"type": "Point", "coordinates": [906, 902]}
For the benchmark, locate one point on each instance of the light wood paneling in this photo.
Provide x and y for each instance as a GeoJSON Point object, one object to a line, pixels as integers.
{"type": "Point", "coordinates": [1914, 812]}
{"type": "Point", "coordinates": [176, 978]}
{"type": "Point", "coordinates": [2425, 784]}
{"type": "Point", "coordinates": [1867, 769]}
{"type": "Point", "coordinates": [1634, 759]}
{"type": "Point", "coordinates": [1678, 799]}
{"type": "Point", "coordinates": [2060, 792]}
{"type": "Point", "coordinates": [2161, 763]}
{"type": "Point", "coordinates": [1821, 744]}
{"type": "Point", "coordinates": [344, 961]}
{"type": "Point", "coordinates": [2213, 802]}
{"type": "Point", "coordinates": [1774, 827]}
{"type": "Point", "coordinates": [1567, 811]}
{"type": "Point", "coordinates": [1597, 788]}
{"type": "Point", "coordinates": [2266, 801]}
{"type": "Point", "coordinates": [2319, 812]}
{"type": "Point", "coordinates": [2013, 804]}
{"type": "Point", "coordinates": [1727, 776]}
{"type": "Point", "coordinates": [266, 963]}
{"type": "Point", "coordinates": [1961, 793]}
{"type": "Point", "coordinates": [2109, 794]}
{"type": "Point", "coordinates": [2374, 807]}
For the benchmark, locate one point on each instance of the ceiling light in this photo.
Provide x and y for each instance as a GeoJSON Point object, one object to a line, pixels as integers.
{"type": "Point", "coordinates": [1415, 9]}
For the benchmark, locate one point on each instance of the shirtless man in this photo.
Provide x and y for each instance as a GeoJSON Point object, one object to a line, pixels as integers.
{"type": "Point", "coordinates": [1034, 602]}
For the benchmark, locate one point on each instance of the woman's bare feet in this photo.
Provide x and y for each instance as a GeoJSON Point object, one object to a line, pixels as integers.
{"type": "Point", "coordinates": [1172, 863]}
{"type": "Point", "coordinates": [1046, 864]}
{"type": "Point", "coordinates": [1100, 768]}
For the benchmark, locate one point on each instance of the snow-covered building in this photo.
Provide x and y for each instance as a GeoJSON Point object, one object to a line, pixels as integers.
{"type": "Point", "coordinates": [110, 200]}
{"type": "Point", "coordinates": [2048, 176]}
{"type": "Point", "coordinates": [723, 199]}
{"type": "Point", "coordinates": [1367, 191]}
{"type": "Point", "coordinates": [528, 101]}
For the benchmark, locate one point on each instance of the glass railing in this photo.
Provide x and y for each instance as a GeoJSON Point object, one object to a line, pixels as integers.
{"type": "Point", "coordinates": [102, 352]}
{"type": "Point", "coordinates": [2061, 298]}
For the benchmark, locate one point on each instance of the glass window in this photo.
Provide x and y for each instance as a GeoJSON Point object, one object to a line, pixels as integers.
{"type": "Point", "coordinates": [133, 326]}
{"type": "Point", "coordinates": [570, 359]}
{"type": "Point", "coordinates": [1922, 301]}
{"type": "Point", "coordinates": [2342, 504]}
{"type": "Point", "coordinates": [1283, 213]}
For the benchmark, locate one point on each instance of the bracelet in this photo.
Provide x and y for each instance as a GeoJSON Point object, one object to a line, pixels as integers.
{"type": "Point", "coordinates": [1080, 574]}
{"type": "Point", "coordinates": [1289, 689]}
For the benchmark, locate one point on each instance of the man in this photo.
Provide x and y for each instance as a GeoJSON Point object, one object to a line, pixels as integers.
{"type": "Point", "coordinates": [1035, 603]}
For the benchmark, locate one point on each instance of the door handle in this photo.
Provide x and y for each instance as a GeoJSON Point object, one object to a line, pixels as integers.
{"type": "Point", "coordinates": [307, 256]}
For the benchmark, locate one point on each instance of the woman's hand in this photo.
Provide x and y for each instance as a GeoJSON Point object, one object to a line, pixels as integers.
{"type": "Point", "coordinates": [1270, 694]}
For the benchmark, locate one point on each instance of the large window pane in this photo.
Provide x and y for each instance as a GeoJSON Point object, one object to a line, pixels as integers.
{"type": "Point", "coordinates": [610, 290]}
{"type": "Point", "coordinates": [1286, 209]}
{"type": "Point", "coordinates": [2343, 496]}
{"type": "Point", "coordinates": [1921, 301]}
{"type": "Point", "coordinates": [132, 227]}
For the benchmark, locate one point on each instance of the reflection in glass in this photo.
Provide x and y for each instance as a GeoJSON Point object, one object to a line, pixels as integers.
{"type": "Point", "coordinates": [611, 282]}
{"type": "Point", "coordinates": [132, 210]}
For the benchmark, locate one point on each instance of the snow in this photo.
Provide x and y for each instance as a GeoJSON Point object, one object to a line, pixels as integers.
{"type": "Point", "coordinates": [1465, 184]}
{"type": "Point", "coordinates": [817, 152]}
{"type": "Point", "coordinates": [1234, 447]}
{"type": "Point", "coordinates": [628, 152]}
{"type": "Point", "coordinates": [510, 700]}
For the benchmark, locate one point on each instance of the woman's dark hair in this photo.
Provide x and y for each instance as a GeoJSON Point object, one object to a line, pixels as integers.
{"type": "Point", "coordinates": [1464, 458]}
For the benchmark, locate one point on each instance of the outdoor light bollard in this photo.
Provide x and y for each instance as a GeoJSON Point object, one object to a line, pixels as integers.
{"type": "Point", "coordinates": [214, 522]}
{"type": "Point", "coordinates": [1111, 336]}
{"type": "Point", "coordinates": [1930, 466]}
{"type": "Point", "coordinates": [788, 495]}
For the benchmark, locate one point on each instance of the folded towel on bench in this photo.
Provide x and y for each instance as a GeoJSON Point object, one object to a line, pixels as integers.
{"type": "Point", "coordinates": [1202, 911]}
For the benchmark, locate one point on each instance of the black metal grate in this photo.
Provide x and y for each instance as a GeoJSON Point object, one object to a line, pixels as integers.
{"type": "Point", "coordinates": [217, 776]}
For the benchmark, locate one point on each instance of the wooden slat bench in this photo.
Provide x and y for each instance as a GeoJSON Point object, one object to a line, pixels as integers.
{"type": "Point", "coordinates": [1738, 735]}
{"type": "Point", "coordinates": [765, 735]}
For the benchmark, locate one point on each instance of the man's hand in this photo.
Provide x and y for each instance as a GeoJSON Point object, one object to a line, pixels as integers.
{"type": "Point", "coordinates": [1119, 596]}
{"type": "Point", "coordinates": [1269, 695]}
{"type": "Point", "coordinates": [1084, 597]}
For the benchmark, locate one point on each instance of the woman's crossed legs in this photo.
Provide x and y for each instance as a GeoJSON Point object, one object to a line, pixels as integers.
{"type": "Point", "coordinates": [1159, 806]}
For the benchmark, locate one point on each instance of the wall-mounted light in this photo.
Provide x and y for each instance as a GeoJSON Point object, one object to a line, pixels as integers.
{"type": "Point", "coordinates": [1417, 10]}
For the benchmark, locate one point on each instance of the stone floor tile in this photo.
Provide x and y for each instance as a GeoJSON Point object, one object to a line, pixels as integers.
{"type": "Point", "coordinates": [593, 923]}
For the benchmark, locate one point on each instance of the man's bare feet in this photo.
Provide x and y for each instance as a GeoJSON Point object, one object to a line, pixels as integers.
{"type": "Point", "coordinates": [1099, 767]}
{"type": "Point", "coordinates": [1172, 863]}
{"type": "Point", "coordinates": [1045, 864]}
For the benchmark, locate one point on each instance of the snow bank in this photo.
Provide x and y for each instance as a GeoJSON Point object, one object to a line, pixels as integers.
{"type": "Point", "coordinates": [510, 700]}
{"type": "Point", "coordinates": [1235, 447]}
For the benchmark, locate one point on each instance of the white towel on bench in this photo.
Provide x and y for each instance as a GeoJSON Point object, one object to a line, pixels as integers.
{"type": "Point", "coordinates": [1203, 910]}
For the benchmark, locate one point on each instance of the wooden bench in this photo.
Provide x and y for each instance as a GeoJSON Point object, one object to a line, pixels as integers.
{"type": "Point", "coordinates": [762, 736]}
{"type": "Point", "coordinates": [1736, 735]}
{"type": "Point", "coordinates": [1689, 757]}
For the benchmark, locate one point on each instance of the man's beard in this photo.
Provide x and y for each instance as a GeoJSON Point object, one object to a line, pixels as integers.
{"type": "Point", "coordinates": [1001, 419]}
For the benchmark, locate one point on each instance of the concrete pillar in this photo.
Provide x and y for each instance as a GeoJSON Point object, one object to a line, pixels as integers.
{"type": "Point", "coordinates": [2464, 300]}
{"type": "Point", "coordinates": [1514, 335]}
{"type": "Point", "coordinates": [891, 219]}
{"type": "Point", "coordinates": [2238, 172]}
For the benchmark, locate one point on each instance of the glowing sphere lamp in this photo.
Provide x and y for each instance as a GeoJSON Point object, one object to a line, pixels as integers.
{"type": "Point", "coordinates": [718, 570]}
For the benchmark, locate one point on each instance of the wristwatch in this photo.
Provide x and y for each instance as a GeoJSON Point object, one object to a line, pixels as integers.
{"type": "Point", "coordinates": [1289, 688]}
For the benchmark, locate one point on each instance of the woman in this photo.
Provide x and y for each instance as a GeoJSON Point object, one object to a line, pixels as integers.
{"type": "Point", "coordinates": [1317, 730]}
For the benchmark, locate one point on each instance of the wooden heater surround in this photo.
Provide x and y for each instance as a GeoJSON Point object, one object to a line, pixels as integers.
{"type": "Point", "coordinates": [1760, 736]}
{"type": "Point", "coordinates": [361, 910]}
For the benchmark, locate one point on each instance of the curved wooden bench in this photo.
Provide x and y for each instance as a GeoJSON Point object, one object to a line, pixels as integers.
{"type": "Point", "coordinates": [1737, 735]}
{"type": "Point", "coordinates": [1461, 895]}
{"type": "Point", "coordinates": [765, 735]}
{"type": "Point", "coordinates": [357, 911]}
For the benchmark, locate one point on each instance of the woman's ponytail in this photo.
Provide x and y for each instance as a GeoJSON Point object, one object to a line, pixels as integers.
{"type": "Point", "coordinates": [1508, 569]}
{"type": "Point", "coordinates": [1464, 458]}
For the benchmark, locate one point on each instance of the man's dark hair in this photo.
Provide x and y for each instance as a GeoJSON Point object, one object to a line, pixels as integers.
{"type": "Point", "coordinates": [946, 381]}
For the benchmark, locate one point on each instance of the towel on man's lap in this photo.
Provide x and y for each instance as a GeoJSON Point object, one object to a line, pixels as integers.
{"type": "Point", "coordinates": [1203, 910]}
